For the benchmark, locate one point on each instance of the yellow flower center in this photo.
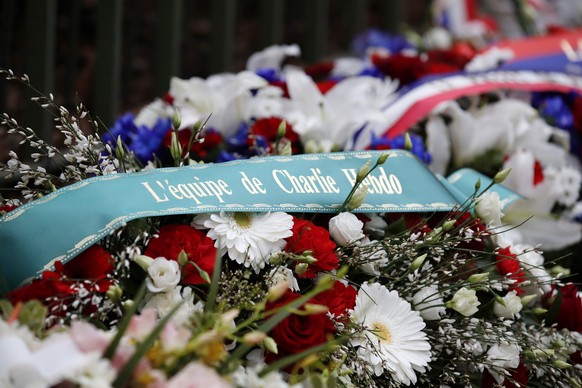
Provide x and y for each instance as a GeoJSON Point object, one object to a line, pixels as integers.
{"type": "Point", "coordinates": [382, 332]}
{"type": "Point", "coordinates": [242, 219]}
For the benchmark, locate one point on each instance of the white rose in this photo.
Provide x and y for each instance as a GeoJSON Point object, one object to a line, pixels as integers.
{"type": "Point", "coordinates": [488, 208]}
{"type": "Point", "coordinates": [465, 301]}
{"type": "Point", "coordinates": [511, 307]}
{"type": "Point", "coordinates": [164, 275]}
{"type": "Point", "coordinates": [345, 228]}
{"type": "Point", "coordinates": [429, 303]}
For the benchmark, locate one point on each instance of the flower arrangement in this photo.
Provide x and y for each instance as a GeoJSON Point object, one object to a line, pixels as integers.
{"type": "Point", "coordinates": [275, 298]}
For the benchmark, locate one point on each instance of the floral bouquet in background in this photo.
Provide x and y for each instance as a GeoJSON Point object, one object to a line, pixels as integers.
{"type": "Point", "coordinates": [343, 297]}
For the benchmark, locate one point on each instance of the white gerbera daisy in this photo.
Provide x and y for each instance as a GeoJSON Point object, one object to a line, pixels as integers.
{"type": "Point", "coordinates": [249, 238]}
{"type": "Point", "coordinates": [393, 339]}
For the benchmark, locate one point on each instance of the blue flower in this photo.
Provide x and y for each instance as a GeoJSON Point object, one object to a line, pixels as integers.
{"type": "Point", "coordinates": [418, 148]}
{"type": "Point", "coordinates": [123, 127]}
{"type": "Point", "coordinates": [144, 142]}
{"type": "Point", "coordinates": [269, 74]}
{"type": "Point", "coordinates": [376, 38]}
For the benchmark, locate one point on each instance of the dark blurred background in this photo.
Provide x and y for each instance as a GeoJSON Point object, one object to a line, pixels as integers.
{"type": "Point", "coordinates": [117, 55]}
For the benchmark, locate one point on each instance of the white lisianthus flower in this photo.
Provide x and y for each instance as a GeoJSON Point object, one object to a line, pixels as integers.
{"type": "Point", "coordinates": [393, 340]}
{"type": "Point", "coordinates": [164, 275]}
{"type": "Point", "coordinates": [282, 274]}
{"type": "Point", "coordinates": [511, 307]}
{"type": "Point", "coordinates": [465, 302]}
{"type": "Point", "coordinates": [504, 356]}
{"type": "Point", "coordinates": [429, 303]}
{"type": "Point", "coordinates": [164, 302]}
{"type": "Point", "coordinates": [346, 228]}
{"type": "Point", "coordinates": [489, 208]}
{"type": "Point", "coordinates": [489, 59]}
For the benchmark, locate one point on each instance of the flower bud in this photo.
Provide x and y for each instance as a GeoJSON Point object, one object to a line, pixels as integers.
{"type": "Point", "coordinates": [364, 171]}
{"type": "Point", "coordinates": [478, 184]}
{"type": "Point", "coordinates": [175, 147]}
{"type": "Point", "coordinates": [119, 150]}
{"type": "Point", "coordinates": [479, 277]}
{"type": "Point", "coordinates": [501, 175]}
{"type": "Point", "coordinates": [114, 293]}
{"type": "Point", "coordinates": [407, 142]}
{"type": "Point", "coordinates": [301, 268]}
{"type": "Point", "coordinates": [562, 364]}
{"type": "Point", "coordinates": [527, 299]}
{"type": "Point", "coordinates": [176, 119]}
{"type": "Point", "coordinates": [417, 263]}
{"type": "Point", "coordinates": [311, 147]}
{"type": "Point", "coordinates": [448, 225]}
{"type": "Point", "coordinates": [282, 129]}
{"type": "Point", "coordinates": [254, 338]}
{"type": "Point", "coordinates": [143, 261]}
{"type": "Point", "coordinates": [313, 309]}
{"type": "Point", "coordinates": [182, 258]}
{"type": "Point", "coordinates": [358, 198]}
{"type": "Point", "coordinates": [270, 345]}
{"type": "Point", "coordinates": [382, 158]}
{"type": "Point", "coordinates": [539, 311]}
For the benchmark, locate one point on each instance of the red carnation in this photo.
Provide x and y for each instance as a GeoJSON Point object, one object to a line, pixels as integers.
{"type": "Point", "coordinates": [174, 239]}
{"type": "Point", "coordinates": [6, 208]}
{"type": "Point", "coordinates": [507, 264]}
{"type": "Point", "coordinates": [339, 299]}
{"type": "Point", "coordinates": [310, 237]}
{"type": "Point", "coordinates": [569, 315]}
{"type": "Point", "coordinates": [268, 128]}
{"type": "Point", "coordinates": [297, 333]}
{"type": "Point", "coordinates": [88, 271]}
{"type": "Point", "coordinates": [404, 68]}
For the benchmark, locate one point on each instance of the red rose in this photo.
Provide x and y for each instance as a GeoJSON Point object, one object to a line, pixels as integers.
{"type": "Point", "coordinates": [310, 237]}
{"type": "Point", "coordinates": [92, 265]}
{"type": "Point", "coordinates": [569, 315]}
{"type": "Point", "coordinates": [174, 239]}
{"type": "Point", "coordinates": [519, 375]}
{"type": "Point", "coordinates": [506, 263]}
{"type": "Point", "coordinates": [339, 299]}
{"type": "Point", "coordinates": [297, 333]}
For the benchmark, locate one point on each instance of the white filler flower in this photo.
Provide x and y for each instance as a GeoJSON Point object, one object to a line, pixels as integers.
{"type": "Point", "coordinates": [393, 339]}
{"type": "Point", "coordinates": [249, 238]}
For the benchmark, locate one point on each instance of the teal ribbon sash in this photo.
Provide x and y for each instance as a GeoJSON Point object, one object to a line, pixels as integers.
{"type": "Point", "coordinates": [64, 223]}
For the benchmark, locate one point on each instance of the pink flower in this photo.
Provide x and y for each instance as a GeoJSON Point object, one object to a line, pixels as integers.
{"type": "Point", "coordinates": [196, 375]}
